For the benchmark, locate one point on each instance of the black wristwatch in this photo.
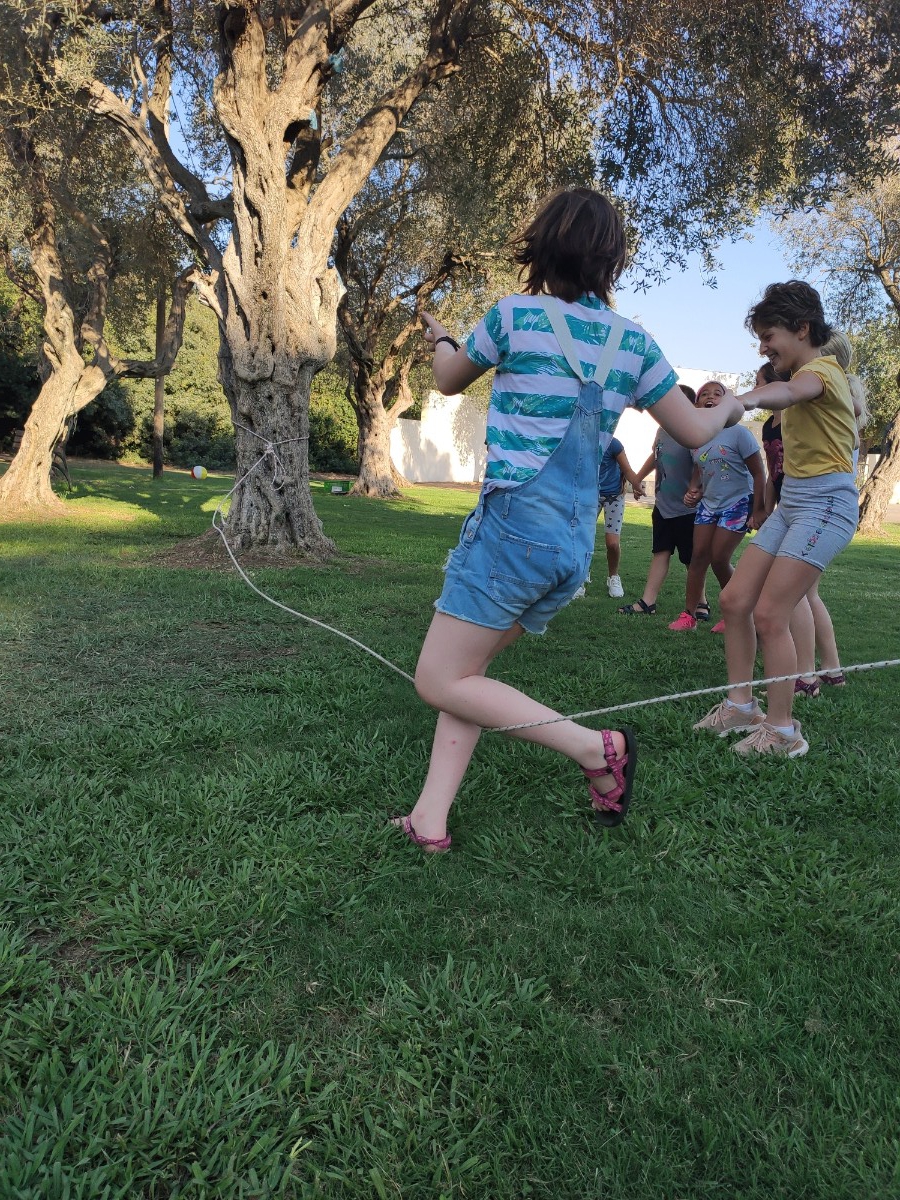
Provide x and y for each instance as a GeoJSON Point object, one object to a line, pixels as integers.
{"type": "Point", "coordinates": [446, 338]}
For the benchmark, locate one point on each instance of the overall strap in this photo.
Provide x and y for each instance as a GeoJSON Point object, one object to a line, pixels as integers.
{"type": "Point", "coordinates": [557, 319]}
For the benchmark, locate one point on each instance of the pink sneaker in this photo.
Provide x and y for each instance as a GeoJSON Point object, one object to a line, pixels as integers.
{"type": "Point", "coordinates": [719, 627]}
{"type": "Point", "coordinates": [684, 622]}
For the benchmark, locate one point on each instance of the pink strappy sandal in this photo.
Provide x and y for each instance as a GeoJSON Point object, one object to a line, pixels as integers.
{"type": "Point", "coordinates": [610, 807]}
{"type": "Point", "coordinates": [429, 845]}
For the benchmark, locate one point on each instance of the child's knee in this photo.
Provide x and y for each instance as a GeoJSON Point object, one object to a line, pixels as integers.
{"type": "Point", "coordinates": [733, 602]}
{"type": "Point", "coordinates": [770, 620]}
{"type": "Point", "coordinates": [428, 679]}
{"type": "Point", "coordinates": [427, 687]}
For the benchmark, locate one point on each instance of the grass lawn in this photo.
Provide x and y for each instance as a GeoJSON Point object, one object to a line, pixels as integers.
{"type": "Point", "coordinates": [222, 975]}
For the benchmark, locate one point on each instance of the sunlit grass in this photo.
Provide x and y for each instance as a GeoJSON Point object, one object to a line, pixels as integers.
{"type": "Point", "coordinates": [224, 976]}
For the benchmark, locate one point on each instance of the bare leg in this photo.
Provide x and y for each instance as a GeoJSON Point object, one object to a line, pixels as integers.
{"type": "Point", "coordinates": [656, 576]}
{"type": "Point", "coordinates": [451, 751]}
{"type": "Point", "coordinates": [700, 560]}
{"type": "Point", "coordinates": [803, 632]}
{"type": "Point", "coordinates": [825, 640]}
{"type": "Point", "coordinates": [724, 544]}
{"type": "Point", "coordinates": [737, 602]}
{"type": "Point", "coordinates": [613, 553]}
{"type": "Point", "coordinates": [450, 676]}
{"type": "Point", "coordinates": [786, 584]}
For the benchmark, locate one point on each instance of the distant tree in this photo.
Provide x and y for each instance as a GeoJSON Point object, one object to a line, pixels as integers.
{"type": "Point", "coordinates": [876, 344]}
{"type": "Point", "coordinates": [701, 112]}
{"type": "Point", "coordinates": [71, 220]}
{"type": "Point", "coordinates": [20, 327]}
{"type": "Point", "coordinates": [853, 244]}
{"type": "Point", "coordinates": [433, 214]}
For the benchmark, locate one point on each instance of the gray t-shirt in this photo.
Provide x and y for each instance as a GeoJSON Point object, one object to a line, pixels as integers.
{"type": "Point", "coordinates": [674, 467]}
{"type": "Point", "coordinates": [723, 473]}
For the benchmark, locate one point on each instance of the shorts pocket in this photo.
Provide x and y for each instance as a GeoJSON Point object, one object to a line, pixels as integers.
{"type": "Point", "coordinates": [523, 569]}
{"type": "Point", "coordinates": [460, 552]}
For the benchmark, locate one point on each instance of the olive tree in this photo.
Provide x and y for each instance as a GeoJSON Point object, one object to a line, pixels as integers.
{"type": "Point", "coordinates": [511, 125]}
{"type": "Point", "coordinates": [285, 117]}
{"type": "Point", "coordinates": [268, 276]}
{"type": "Point", "coordinates": [472, 158]}
{"type": "Point", "coordinates": [73, 217]}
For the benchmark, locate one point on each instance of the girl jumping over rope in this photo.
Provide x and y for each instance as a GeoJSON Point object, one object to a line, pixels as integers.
{"type": "Point", "coordinates": [566, 366]}
{"type": "Point", "coordinates": [815, 519]}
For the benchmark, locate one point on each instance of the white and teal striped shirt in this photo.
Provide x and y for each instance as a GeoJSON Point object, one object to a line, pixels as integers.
{"type": "Point", "coordinates": [534, 392]}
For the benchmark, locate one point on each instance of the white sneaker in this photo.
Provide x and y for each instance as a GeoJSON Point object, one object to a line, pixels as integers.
{"type": "Point", "coordinates": [614, 587]}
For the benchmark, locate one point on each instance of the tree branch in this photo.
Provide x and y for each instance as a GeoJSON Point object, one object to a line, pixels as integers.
{"type": "Point", "coordinates": [104, 102]}
{"type": "Point", "coordinates": [170, 343]}
{"type": "Point", "coordinates": [157, 104]}
{"type": "Point", "coordinates": [366, 143]}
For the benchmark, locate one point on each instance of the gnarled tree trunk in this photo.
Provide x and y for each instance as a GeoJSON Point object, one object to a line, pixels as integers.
{"type": "Point", "coordinates": [71, 386]}
{"type": "Point", "coordinates": [77, 360]}
{"type": "Point", "coordinates": [376, 477]}
{"type": "Point", "coordinates": [377, 474]}
{"type": "Point", "coordinates": [272, 506]}
{"type": "Point", "coordinates": [876, 495]}
{"type": "Point", "coordinates": [278, 320]}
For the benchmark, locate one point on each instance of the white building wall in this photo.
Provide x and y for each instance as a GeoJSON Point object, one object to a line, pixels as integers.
{"type": "Point", "coordinates": [447, 445]}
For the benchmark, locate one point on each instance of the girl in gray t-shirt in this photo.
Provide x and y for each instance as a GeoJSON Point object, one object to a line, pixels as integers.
{"type": "Point", "coordinates": [727, 488]}
{"type": "Point", "coordinates": [672, 519]}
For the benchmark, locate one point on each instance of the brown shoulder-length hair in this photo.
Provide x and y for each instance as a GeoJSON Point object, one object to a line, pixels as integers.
{"type": "Point", "coordinates": [575, 244]}
{"type": "Point", "coordinates": [791, 305]}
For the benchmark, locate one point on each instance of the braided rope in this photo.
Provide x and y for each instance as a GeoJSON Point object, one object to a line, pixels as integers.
{"type": "Point", "coordinates": [726, 687]}
{"type": "Point", "coordinates": [270, 451]}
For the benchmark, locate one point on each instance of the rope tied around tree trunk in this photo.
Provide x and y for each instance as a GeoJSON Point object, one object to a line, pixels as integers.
{"type": "Point", "coordinates": [270, 452]}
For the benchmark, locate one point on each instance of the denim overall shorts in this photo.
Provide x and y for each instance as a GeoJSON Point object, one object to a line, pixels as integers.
{"type": "Point", "coordinates": [524, 552]}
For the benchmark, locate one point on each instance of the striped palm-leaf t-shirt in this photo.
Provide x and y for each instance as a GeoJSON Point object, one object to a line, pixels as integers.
{"type": "Point", "coordinates": [534, 392]}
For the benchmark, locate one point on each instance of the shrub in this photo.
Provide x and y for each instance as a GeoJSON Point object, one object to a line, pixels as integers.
{"type": "Point", "coordinates": [332, 424]}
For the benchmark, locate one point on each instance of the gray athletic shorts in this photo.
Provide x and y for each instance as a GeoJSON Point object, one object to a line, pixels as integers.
{"type": "Point", "coordinates": [814, 521]}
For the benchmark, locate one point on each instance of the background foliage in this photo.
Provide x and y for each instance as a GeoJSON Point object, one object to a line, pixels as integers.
{"type": "Point", "coordinates": [119, 423]}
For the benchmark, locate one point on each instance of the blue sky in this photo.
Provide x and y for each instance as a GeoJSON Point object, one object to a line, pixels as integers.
{"type": "Point", "coordinates": [700, 326]}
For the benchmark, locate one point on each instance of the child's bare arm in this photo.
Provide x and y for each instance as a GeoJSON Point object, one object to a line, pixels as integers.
{"type": "Point", "coordinates": [453, 369]}
{"type": "Point", "coordinates": [648, 466]}
{"type": "Point", "coordinates": [755, 467]}
{"type": "Point", "coordinates": [637, 486]}
{"type": "Point", "coordinates": [695, 491]}
{"type": "Point", "coordinates": [771, 497]}
{"type": "Point", "coordinates": [780, 395]}
{"type": "Point", "coordinates": [691, 426]}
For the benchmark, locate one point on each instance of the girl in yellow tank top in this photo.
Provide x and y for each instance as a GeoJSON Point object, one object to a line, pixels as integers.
{"type": "Point", "coordinates": [815, 519]}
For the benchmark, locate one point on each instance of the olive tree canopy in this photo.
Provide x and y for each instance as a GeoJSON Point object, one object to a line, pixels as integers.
{"type": "Point", "coordinates": [698, 113]}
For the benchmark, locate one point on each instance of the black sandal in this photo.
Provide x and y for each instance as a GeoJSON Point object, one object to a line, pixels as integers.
{"type": "Point", "coordinates": [638, 609]}
{"type": "Point", "coordinates": [701, 613]}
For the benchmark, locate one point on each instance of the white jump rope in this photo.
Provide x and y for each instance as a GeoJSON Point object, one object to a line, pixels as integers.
{"type": "Point", "coordinates": [270, 451]}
